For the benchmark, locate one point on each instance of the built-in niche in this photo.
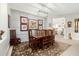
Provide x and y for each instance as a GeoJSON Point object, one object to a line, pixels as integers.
{"type": "Point", "coordinates": [77, 25]}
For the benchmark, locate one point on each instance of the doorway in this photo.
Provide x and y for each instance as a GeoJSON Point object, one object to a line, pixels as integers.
{"type": "Point", "coordinates": [59, 26]}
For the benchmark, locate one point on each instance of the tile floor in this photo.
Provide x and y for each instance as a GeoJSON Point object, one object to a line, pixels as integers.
{"type": "Point", "coordinates": [72, 50]}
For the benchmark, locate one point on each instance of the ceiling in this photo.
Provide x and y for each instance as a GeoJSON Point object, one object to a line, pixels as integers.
{"type": "Point", "coordinates": [59, 8]}
{"type": "Point", "coordinates": [45, 9]}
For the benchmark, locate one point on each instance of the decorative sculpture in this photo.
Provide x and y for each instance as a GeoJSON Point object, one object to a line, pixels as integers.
{"type": "Point", "coordinates": [1, 33]}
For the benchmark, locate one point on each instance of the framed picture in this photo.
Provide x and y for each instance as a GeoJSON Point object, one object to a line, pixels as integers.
{"type": "Point", "coordinates": [33, 24]}
{"type": "Point", "coordinates": [40, 27]}
{"type": "Point", "coordinates": [23, 23]}
{"type": "Point", "coordinates": [69, 23]}
{"type": "Point", "coordinates": [23, 27]}
{"type": "Point", "coordinates": [76, 25]}
{"type": "Point", "coordinates": [40, 24]}
{"type": "Point", "coordinates": [23, 19]}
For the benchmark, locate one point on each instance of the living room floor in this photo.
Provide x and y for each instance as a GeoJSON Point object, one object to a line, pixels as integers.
{"type": "Point", "coordinates": [73, 50]}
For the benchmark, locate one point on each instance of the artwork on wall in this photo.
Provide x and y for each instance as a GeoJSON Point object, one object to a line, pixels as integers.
{"type": "Point", "coordinates": [23, 20]}
{"type": "Point", "coordinates": [33, 24]}
{"type": "Point", "coordinates": [24, 27]}
{"type": "Point", "coordinates": [23, 23]}
{"type": "Point", "coordinates": [69, 23]}
{"type": "Point", "coordinates": [76, 25]}
{"type": "Point", "coordinates": [40, 24]}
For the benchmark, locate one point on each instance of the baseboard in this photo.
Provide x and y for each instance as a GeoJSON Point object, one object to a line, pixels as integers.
{"type": "Point", "coordinates": [9, 51]}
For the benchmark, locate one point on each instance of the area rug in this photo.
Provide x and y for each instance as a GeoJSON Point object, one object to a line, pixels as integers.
{"type": "Point", "coordinates": [54, 50]}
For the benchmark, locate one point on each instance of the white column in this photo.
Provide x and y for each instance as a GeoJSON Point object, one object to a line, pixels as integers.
{"type": "Point", "coordinates": [3, 16]}
{"type": "Point", "coordinates": [4, 43]}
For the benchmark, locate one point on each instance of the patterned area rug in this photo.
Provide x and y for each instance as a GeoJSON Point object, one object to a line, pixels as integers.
{"type": "Point", "coordinates": [54, 50]}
